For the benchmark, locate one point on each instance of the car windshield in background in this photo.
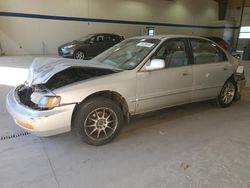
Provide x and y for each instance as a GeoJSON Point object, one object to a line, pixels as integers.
{"type": "Point", "coordinates": [127, 54]}
{"type": "Point", "coordinates": [86, 37]}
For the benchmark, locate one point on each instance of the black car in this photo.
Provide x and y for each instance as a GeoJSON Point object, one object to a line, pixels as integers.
{"type": "Point", "coordinates": [89, 46]}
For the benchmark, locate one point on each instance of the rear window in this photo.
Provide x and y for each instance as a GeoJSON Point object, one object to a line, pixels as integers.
{"type": "Point", "coordinates": [215, 39]}
{"type": "Point", "coordinates": [113, 38]}
{"type": "Point", "coordinates": [206, 52]}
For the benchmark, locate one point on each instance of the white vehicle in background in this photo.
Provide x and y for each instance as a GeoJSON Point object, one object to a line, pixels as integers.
{"type": "Point", "coordinates": [138, 75]}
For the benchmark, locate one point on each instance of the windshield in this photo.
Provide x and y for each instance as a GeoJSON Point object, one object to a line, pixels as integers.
{"type": "Point", "coordinates": [86, 37]}
{"type": "Point", "coordinates": [127, 54]}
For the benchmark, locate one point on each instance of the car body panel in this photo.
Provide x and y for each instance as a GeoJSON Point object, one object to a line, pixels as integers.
{"type": "Point", "coordinates": [120, 83]}
{"type": "Point", "coordinates": [208, 79]}
{"type": "Point", "coordinates": [42, 69]}
{"type": "Point", "coordinates": [45, 123]}
{"type": "Point", "coordinates": [162, 88]}
{"type": "Point", "coordinates": [142, 90]}
{"type": "Point", "coordinates": [94, 49]}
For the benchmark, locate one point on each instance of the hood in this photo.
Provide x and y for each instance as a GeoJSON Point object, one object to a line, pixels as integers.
{"type": "Point", "coordinates": [42, 69]}
{"type": "Point", "coordinates": [72, 43]}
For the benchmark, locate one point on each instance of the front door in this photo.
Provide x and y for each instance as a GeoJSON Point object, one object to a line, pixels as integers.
{"type": "Point", "coordinates": [169, 86]}
{"type": "Point", "coordinates": [97, 45]}
{"type": "Point", "coordinates": [110, 41]}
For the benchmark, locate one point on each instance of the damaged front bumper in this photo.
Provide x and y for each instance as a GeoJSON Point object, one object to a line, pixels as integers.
{"type": "Point", "coordinates": [240, 81]}
{"type": "Point", "coordinates": [39, 122]}
{"type": "Point", "coordinates": [241, 84]}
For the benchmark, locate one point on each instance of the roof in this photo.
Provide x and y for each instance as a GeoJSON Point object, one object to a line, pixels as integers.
{"type": "Point", "coordinates": [168, 36]}
{"type": "Point", "coordinates": [104, 34]}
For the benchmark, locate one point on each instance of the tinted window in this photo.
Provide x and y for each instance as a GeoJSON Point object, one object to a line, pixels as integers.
{"type": "Point", "coordinates": [111, 38]}
{"type": "Point", "coordinates": [215, 39]}
{"type": "Point", "coordinates": [108, 38]}
{"type": "Point", "coordinates": [206, 52]}
{"type": "Point", "coordinates": [85, 38]}
{"type": "Point", "coordinates": [92, 40]}
{"type": "Point", "coordinates": [173, 52]}
{"type": "Point", "coordinates": [99, 38]}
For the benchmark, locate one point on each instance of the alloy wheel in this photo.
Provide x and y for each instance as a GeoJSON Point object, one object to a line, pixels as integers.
{"type": "Point", "coordinates": [228, 93]}
{"type": "Point", "coordinates": [100, 124]}
{"type": "Point", "coordinates": [79, 55]}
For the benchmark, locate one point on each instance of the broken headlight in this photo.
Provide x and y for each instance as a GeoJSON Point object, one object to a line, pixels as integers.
{"type": "Point", "coordinates": [49, 101]}
{"type": "Point", "coordinates": [45, 99]}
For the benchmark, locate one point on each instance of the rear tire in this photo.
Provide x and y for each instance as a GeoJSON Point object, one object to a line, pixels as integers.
{"type": "Point", "coordinates": [228, 94]}
{"type": "Point", "coordinates": [98, 121]}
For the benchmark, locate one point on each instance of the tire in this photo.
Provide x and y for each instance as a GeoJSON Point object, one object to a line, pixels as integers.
{"type": "Point", "coordinates": [228, 94]}
{"type": "Point", "coordinates": [79, 54]}
{"type": "Point", "coordinates": [98, 121]}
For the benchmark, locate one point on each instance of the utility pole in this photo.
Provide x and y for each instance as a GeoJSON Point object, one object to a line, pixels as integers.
{"type": "Point", "coordinates": [222, 9]}
{"type": "Point", "coordinates": [241, 17]}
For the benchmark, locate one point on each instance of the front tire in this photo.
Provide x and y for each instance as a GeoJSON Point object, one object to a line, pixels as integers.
{"type": "Point", "coordinates": [79, 54]}
{"type": "Point", "coordinates": [227, 94]}
{"type": "Point", "coordinates": [98, 121]}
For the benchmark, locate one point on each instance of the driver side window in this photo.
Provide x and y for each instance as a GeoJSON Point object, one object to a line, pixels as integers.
{"type": "Point", "coordinates": [92, 40]}
{"type": "Point", "coordinates": [173, 52]}
{"type": "Point", "coordinates": [97, 39]}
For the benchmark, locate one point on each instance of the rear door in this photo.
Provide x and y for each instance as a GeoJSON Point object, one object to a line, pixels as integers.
{"type": "Point", "coordinates": [169, 86]}
{"type": "Point", "coordinates": [211, 69]}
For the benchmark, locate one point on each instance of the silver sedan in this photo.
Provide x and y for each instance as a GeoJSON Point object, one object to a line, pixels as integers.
{"type": "Point", "coordinates": [95, 98]}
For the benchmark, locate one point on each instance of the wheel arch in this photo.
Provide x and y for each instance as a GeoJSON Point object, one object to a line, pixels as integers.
{"type": "Point", "coordinates": [233, 78]}
{"type": "Point", "coordinates": [113, 95]}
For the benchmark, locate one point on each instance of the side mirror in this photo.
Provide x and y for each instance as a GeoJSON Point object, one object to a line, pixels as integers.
{"type": "Point", "coordinates": [155, 64]}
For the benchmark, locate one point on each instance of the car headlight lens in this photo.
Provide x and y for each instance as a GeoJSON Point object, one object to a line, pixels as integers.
{"type": "Point", "coordinates": [45, 98]}
{"type": "Point", "coordinates": [49, 101]}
